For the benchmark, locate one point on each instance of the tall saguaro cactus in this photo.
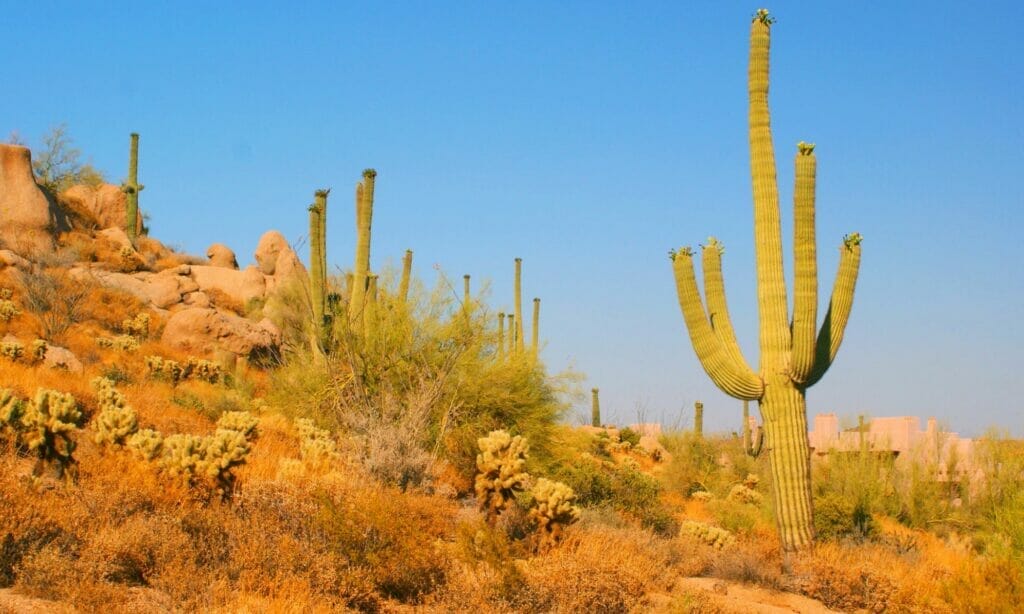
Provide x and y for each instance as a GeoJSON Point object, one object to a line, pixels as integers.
{"type": "Point", "coordinates": [518, 298]}
{"type": "Point", "coordinates": [361, 267]}
{"type": "Point", "coordinates": [511, 334]}
{"type": "Point", "coordinates": [501, 334]}
{"type": "Point", "coordinates": [595, 408]}
{"type": "Point", "coordinates": [403, 285]}
{"type": "Point", "coordinates": [535, 336]}
{"type": "Point", "coordinates": [318, 265]}
{"type": "Point", "coordinates": [698, 419]}
{"type": "Point", "coordinates": [794, 355]}
{"type": "Point", "coordinates": [131, 187]}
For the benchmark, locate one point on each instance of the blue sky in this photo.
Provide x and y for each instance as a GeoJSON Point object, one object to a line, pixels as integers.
{"type": "Point", "coordinates": [588, 139]}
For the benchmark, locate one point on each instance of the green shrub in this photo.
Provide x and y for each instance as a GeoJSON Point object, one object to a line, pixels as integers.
{"type": "Point", "coordinates": [628, 435]}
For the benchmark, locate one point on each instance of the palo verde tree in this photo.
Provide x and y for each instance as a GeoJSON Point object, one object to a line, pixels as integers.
{"type": "Point", "coordinates": [794, 354]}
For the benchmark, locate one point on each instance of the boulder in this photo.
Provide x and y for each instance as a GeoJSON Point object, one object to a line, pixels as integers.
{"type": "Point", "coordinates": [197, 299]}
{"type": "Point", "coordinates": [103, 205]}
{"type": "Point", "coordinates": [117, 236]}
{"type": "Point", "coordinates": [220, 255]}
{"type": "Point", "coordinates": [241, 286]}
{"type": "Point", "coordinates": [26, 213]}
{"type": "Point", "coordinates": [161, 291]}
{"type": "Point", "coordinates": [275, 257]}
{"type": "Point", "coordinates": [62, 358]}
{"type": "Point", "coordinates": [205, 330]}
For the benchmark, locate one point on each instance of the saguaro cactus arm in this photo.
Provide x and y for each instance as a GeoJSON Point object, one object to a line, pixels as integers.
{"type": "Point", "coordinates": [830, 337]}
{"type": "Point", "coordinates": [805, 285]}
{"type": "Point", "coordinates": [403, 285]}
{"type": "Point", "coordinates": [734, 379]}
{"type": "Point", "coordinates": [361, 268]}
{"type": "Point", "coordinates": [718, 310]}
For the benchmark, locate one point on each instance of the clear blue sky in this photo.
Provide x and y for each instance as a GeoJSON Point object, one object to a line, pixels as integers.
{"type": "Point", "coordinates": [589, 139]}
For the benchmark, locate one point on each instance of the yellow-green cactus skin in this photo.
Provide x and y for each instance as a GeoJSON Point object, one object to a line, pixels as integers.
{"type": "Point", "coordinates": [698, 419]}
{"type": "Point", "coordinates": [501, 334]}
{"type": "Point", "coordinates": [116, 420]}
{"type": "Point", "coordinates": [554, 509]}
{"type": "Point", "coordinates": [535, 333]}
{"type": "Point", "coordinates": [595, 408]}
{"type": "Point", "coordinates": [48, 422]}
{"type": "Point", "coordinates": [518, 298]}
{"type": "Point", "coordinates": [361, 268]}
{"type": "Point", "coordinates": [318, 266]}
{"type": "Point", "coordinates": [131, 188]}
{"type": "Point", "coordinates": [241, 422]}
{"type": "Point", "coordinates": [403, 285]}
{"type": "Point", "coordinates": [794, 355]}
{"type": "Point", "coordinates": [511, 334]}
{"type": "Point", "coordinates": [501, 471]}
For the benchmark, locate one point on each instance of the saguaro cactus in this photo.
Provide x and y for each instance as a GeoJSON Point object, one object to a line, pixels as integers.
{"type": "Point", "coordinates": [794, 355]}
{"type": "Point", "coordinates": [698, 419]}
{"type": "Point", "coordinates": [518, 298]}
{"type": "Point", "coordinates": [752, 441]}
{"type": "Point", "coordinates": [595, 408]}
{"type": "Point", "coordinates": [361, 268]}
{"type": "Point", "coordinates": [466, 296]}
{"type": "Point", "coordinates": [318, 265]}
{"type": "Point", "coordinates": [131, 187]}
{"type": "Point", "coordinates": [535, 336]}
{"type": "Point", "coordinates": [403, 285]}
{"type": "Point", "coordinates": [511, 334]}
{"type": "Point", "coordinates": [501, 333]}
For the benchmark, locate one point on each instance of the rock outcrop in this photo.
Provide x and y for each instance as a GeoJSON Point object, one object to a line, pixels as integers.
{"type": "Point", "coordinates": [220, 255]}
{"type": "Point", "coordinates": [277, 260]}
{"type": "Point", "coordinates": [26, 214]}
{"type": "Point", "coordinates": [198, 329]}
{"type": "Point", "coordinates": [102, 206]}
{"type": "Point", "coordinates": [242, 286]}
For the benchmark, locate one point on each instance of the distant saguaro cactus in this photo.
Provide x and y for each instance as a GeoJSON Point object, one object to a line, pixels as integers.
{"type": "Point", "coordinates": [361, 267]}
{"type": "Point", "coordinates": [595, 408]}
{"type": "Point", "coordinates": [403, 285]}
{"type": "Point", "coordinates": [794, 355]}
{"type": "Point", "coordinates": [511, 334]}
{"type": "Point", "coordinates": [518, 298]}
{"type": "Point", "coordinates": [318, 267]}
{"type": "Point", "coordinates": [131, 187]}
{"type": "Point", "coordinates": [698, 419]}
{"type": "Point", "coordinates": [535, 336]}
{"type": "Point", "coordinates": [501, 333]}
{"type": "Point", "coordinates": [501, 471]}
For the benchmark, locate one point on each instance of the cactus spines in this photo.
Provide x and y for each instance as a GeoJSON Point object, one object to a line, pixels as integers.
{"type": "Point", "coordinates": [698, 419]}
{"type": "Point", "coordinates": [116, 421]}
{"type": "Point", "coordinates": [146, 444]}
{"type": "Point", "coordinates": [595, 408]}
{"type": "Point", "coordinates": [501, 334]}
{"type": "Point", "coordinates": [318, 267]}
{"type": "Point", "coordinates": [361, 268]}
{"type": "Point", "coordinates": [316, 445]}
{"type": "Point", "coordinates": [553, 509]}
{"type": "Point", "coordinates": [795, 353]}
{"type": "Point", "coordinates": [518, 298]}
{"type": "Point", "coordinates": [10, 414]}
{"type": "Point", "coordinates": [131, 188]}
{"type": "Point", "coordinates": [535, 336]}
{"type": "Point", "coordinates": [753, 440]}
{"type": "Point", "coordinates": [48, 422]}
{"type": "Point", "coordinates": [501, 471]}
{"type": "Point", "coordinates": [403, 285]}
{"type": "Point", "coordinates": [239, 421]}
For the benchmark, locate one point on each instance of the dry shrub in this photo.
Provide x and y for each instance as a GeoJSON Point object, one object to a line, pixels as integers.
{"type": "Point", "coordinates": [600, 570]}
{"type": "Point", "coordinates": [751, 561]}
{"type": "Point", "coordinates": [225, 301]}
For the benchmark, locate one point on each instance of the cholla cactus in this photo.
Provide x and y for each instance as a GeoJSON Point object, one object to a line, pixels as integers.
{"type": "Point", "coordinates": [553, 509]}
{"type": "Point", "coordinates": [115, 421]}
{"type": "Point", "coordinates": [146, 444]}
{"type": "Point", "coordinates": [224, 451]}
{"type": "Point", "coordinates": [239, 421]}
{"type": "Point", "coordinates": [716, 537]}
{"type": "Point", "coordinates": [206, 370]}
{"type": "Point", "coordinates": [701, 495]}
{"type": "Point", "coordinates": [502, 470]}
{"type": "Point", "coordinates": [12, 350]}
{"type": "Point", "coordinates": [8, 310]}
{"type": "Point", "coordinates": [182, 454]}
{"type": "Point", "coordinates": [10, 414]}
{"type": "Point", "coordinates": [194, 368]}
{"type": "Point", "coordinates": [740, 493]}
{"type": "Point", "coordinates": [123, 343]}
{"type": "Point", "coordinates": [137, 327]}
{"type": "Point", "coordinates": [49, 420]}
{"type": "Point", "coordinates": [317, 447]}
{"type": "Point", "coordinates": [39, 348]}
{"type": "Point", "coordinates": [6, 294]}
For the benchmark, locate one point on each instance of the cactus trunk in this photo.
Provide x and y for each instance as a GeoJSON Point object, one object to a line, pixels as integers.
{"type": "Point", "coordinates": [318, 268]}
{"type": "Point", "coordinates": [518, 298]}
{"type": "Point", "coordinates": [403, 285]}
{"type": "Point", "coordinates": [361, 268]}
{"type": "Point", "coordinates": [131, 188]}
{"type": "Point", "coordinates": [535, 337]}
{"type": "Point", "coordinates": [793, 357]}
{"type": "Point", "coordinates": [501, 334]}
{"type": "Point", "coordinates": [511, 334]}
{"type": "Point", "coordinates": [466, 296]}
{"type": "Point", "coordinates": [595, 408]}
{"type": "Point", "coordinates": [698, 419]}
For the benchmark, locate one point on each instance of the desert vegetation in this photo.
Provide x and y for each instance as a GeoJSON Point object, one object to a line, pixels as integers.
{"type": "Point", "coordinates": [177, 434]}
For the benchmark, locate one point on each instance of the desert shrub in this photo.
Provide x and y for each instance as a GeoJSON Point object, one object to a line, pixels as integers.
{"type": "Point", "coordinates": [501, 466]}
{"type": "Point", "coordinates": [628, 435]}
{"type": "Point", "coordinates": [115, 421]}
{"type": "Point", "coordinates": [48, 421]}
{"type": "Point", "coordinates": [316, 444]}
{"type": "Point", "coordinates": [552, 509]}
{"type": "Point", "coordinates": [735, 516]}
{"type": "Point", "coordinates": [54, 299]}
{"type": "Point", "coordinates": [57, 163]}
